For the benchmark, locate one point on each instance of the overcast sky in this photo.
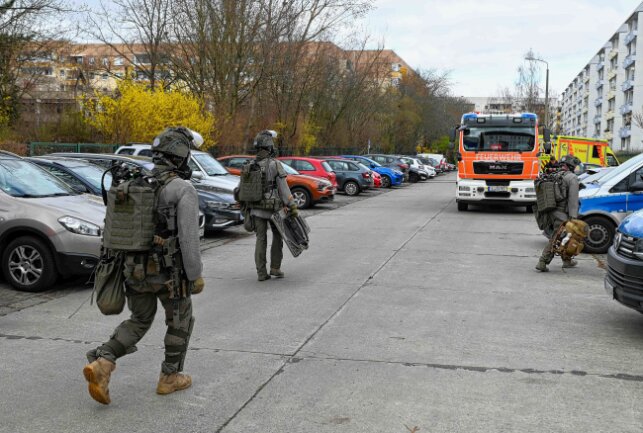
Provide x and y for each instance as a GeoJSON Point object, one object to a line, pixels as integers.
{"type": "Point", "coordinates": [482, 42]}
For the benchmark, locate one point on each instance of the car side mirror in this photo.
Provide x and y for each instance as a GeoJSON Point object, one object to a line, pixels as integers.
{"type": "Point", "coordinates": [458, 156]}
{"type": "Point", "coordinates": [452, 136]}
{"type": "Point", "coordinates": [198, 175]}
{"type": "Point", "coordinates": [547, 140]}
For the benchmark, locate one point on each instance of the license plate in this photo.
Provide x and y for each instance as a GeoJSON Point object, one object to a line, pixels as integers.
{"type": "Point", "coordinates": [497, 189]}
{"type": "Point", "coordinates": [201, 232]}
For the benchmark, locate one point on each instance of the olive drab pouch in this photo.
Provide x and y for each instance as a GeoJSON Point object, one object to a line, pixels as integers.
{"type": "Point", "coordinates": [251, 184]}
{"type": "Point", "coordinates": [109, 283]}
{"type": "Point", "coordinates": [546, 196]}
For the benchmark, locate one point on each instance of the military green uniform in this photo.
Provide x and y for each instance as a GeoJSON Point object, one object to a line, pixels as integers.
{"type": "Point", "coordinates": [567, 204]}
{"type": "Point", "coordinates": [145, 285]}
{"type": "Point", "coordinates": [277, 192]}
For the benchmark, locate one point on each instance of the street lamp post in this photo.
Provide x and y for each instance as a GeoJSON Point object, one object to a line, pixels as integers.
{"type": "Point", "coordinates": [546, 87]}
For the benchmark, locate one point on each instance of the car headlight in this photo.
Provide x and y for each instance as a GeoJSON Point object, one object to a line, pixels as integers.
{"type": "Point", "coordinates": [79, 226]}
{"type": "Point", "coordinates": [217, 204]}
{"type": "Point", "coordinates": [617, 240]}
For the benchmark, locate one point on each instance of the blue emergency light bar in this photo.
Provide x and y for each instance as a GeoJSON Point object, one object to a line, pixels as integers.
{"type": "Point", "coordinates": [499, 119]}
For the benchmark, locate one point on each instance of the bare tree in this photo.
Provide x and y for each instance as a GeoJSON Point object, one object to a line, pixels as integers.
{"type": "Point", "coordinates": [528, 84]}
{"type": "Point", "coordinates": [137, 30]}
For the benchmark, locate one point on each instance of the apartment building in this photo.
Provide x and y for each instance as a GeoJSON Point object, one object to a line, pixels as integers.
{"type": "Point", "coordinates": [607, 93]}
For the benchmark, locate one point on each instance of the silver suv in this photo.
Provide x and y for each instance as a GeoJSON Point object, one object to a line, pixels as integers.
{"type": "Point", "coordinates": [47, 229]}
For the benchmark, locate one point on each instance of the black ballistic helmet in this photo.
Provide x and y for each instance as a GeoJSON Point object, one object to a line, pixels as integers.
{"type": "Point", "coordinates": [263, 140]}
{"type": "Point", "coordinates": [571, 161]}
{"type": "Point", "coordinates": [172, 147]}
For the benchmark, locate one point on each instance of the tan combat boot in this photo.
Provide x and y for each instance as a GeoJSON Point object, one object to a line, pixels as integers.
{"type": "Point", "coordinates": [276, 273]}
{"type": "Point", "coordinates": [97, 374]}
{"type": "Point", "coordinates": [168, 383]}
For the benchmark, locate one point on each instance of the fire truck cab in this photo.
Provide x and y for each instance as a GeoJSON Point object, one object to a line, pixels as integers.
{"type": "Point", "coordinates": [497, 159]}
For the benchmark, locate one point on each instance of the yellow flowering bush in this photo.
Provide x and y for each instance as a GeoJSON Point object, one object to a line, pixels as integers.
{"type": "Point", "coordinates": [137, 114]}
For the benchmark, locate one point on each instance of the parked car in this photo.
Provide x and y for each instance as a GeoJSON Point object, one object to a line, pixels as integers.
{"type": "Point", "coordinates": [212, 218]}
{"type": "Point", "coordinates": [605, 202]}
{"type": "Point", "coordinates": [624, 279]}
{"type": "Point", "coordinates": [203, 165]}
{"type": "Point", "coordinates": [390, 176]}
{"type": "Point", "coordinates": [377, 179]}
{"type": "Point", "coordinates": [591, 176]}
{"type": "Point", "coordinates": [417, 170]}
{"type": "Point", "coordinates": [47, 229]}
{"type": "Point", "coordinates": [307, 191]}
{"type": "Point", "coordinates": [442, 162]}
{"type": "Point", "coordinates": [81, 175]}
{"type": "Point", "coordinates": [391, 161]}
{"type": "Point", "coordinates": [311, 167]}
{"type": "Point", "coordinates": [352, 177]}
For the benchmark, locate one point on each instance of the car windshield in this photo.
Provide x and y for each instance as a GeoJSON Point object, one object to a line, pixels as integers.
{"type": "Point", "coordinates": [211, 166]}
{"type": "Point", "coordinates": [288, 169]}
{"type": "Point", "coordinates": [22, 179]}
{"type": "Point", "coordinates": [626, 167]}
{"type": "Point", "coordinates": [512, 139]}
{"type": "Point", "coordinates": [593, 178]}
{"type": "Point", "coordinates": [93, 175]}
{"type": "Point", "coordinates": [368, 162]}
{"type": "Point", "coordinates": [363, 167]}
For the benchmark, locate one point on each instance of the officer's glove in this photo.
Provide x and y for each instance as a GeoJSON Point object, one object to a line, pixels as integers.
{"type": "Point", "coordinates": [197, 286]}
{"type": "Point", "coordinates": [294, 212]}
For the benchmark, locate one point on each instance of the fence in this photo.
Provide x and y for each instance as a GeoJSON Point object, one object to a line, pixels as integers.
{"type": "Point", "coordinates": [42, 148]}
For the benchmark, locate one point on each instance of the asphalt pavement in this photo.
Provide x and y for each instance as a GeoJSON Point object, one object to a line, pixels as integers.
{"type": "Point", "coordinates": [404, 315]}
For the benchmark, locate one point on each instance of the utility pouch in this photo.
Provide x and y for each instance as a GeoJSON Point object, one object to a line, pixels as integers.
{"type": "Point", "coordinates": [248, 220]}
{"type": "Point", "coordinates": [109, 284]}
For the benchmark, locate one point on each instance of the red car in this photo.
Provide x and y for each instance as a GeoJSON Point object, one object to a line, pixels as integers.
{"type": "Point", "coordinates": [377, 179]}
{"type": "Point", "coordinates": [311, 167]}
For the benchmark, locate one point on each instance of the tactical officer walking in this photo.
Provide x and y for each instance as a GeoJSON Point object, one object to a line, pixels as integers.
{"type": "Point", "coordinates": [275, 195]}
{"type": "Point", "coordinates": [146, 281]}
{"type": "Point", "coordinates": [567, 204]}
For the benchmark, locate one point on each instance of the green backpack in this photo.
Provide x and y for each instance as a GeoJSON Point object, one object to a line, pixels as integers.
{"type": "Point", "coordinates": [252, 183]}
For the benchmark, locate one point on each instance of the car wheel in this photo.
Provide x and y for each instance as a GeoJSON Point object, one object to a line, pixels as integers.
{"type": "Point", "coordinates": [414, 178]}
{"type": "Point", "coordinates": [28, 265]}
{"type": "Point", "coordinates": [301, 197]}
{"type": "Point", "coordinates": [601, 234]}
{"type": "Point", "coordinates": [386, 181]}
{"type": "Point", "coordinates": [463, 206]}
{"type": "Point", "coordinates": [351, 188]}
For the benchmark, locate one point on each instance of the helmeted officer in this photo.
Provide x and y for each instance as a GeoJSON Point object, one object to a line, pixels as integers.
{"type": "Point", "coordinates": [276, 195]}
{"type": "Point", "coordinates": [567, 205]}
{"type": "Point", "coordinates": [146, 283]}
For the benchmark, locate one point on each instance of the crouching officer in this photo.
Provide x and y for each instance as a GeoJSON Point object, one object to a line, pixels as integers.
{"type": "Point", "coordinates": [567, 203]}
{"type": "Point", "coordinates": [169, 272]}
{"type": "Point", "coordinates": [274, 194]}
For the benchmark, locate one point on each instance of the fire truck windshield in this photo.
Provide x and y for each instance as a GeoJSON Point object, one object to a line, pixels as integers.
{"type": "Point", "coordinates": [504, 139]}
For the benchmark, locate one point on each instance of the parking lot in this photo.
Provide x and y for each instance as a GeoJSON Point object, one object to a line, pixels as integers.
{"type": "Point", "coordinates": [12, 300]}
{"type": "Point", "coordinates": [404, 315]}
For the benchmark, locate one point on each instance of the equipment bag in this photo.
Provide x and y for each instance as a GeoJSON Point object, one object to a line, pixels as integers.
{"type": "Point", "coordinates": [251, 184]}
{"type": "Point", "coordinates": [109, 283]}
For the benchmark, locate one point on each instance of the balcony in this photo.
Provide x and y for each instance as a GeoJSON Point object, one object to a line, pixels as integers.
{"type": "Point", "coordinates": [625, 132]}
{"type": "Point", "coordinates": [586, 79]}
{"type": "Point", "coordinates": [627, 85]}
{"type": "Point", "coordinates": [611, 73]}
{"type": "Point", "coordinates": [610, 115]}
{"type": "Point", "coordinates": [598, 101]}
{"type": "Point", "coordinates": [584, 110]}
{"type": "Point", "coordinates": [611, 94]}
{"type": "Point", "coordinates": [613, 53]}
{"type": "Point", "coordinates": [625, 109]}
{"type": "Point", "coordinates": [608, 136]}
{"type": "Point", "coordinates": [600, 65]}
{"type": "Point", "coordinates": [598, 118]}
{"type": "Point", "coordinates": [631, 36]}
{"type": "Point", "coordinates": [599, 84]}
{"type": "Point", "coordinates": [629, 60]}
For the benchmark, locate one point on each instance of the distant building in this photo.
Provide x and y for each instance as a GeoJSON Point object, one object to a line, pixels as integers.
{"type": "Point", "coordinates": [602, 98]}
{"type": "Point", "coordinates": [506, 105]}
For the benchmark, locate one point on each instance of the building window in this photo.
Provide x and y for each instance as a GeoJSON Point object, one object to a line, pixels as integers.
{"type": "Point", "coordinates": [396, 67]}
{"type": "Point", "coordinates": [62, 72]}
{"type": "Point", "coordinates": [118, 61]}
{"type": "Point", "coordinates": [104, 76]}
{"type": "Point", "coordinates": [105, 61]}
{"type": "Point", "coordinates": [92, 60]}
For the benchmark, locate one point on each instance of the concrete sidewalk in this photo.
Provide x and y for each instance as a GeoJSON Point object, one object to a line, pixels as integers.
{"type": "Point", "coordinates": [404, 313]}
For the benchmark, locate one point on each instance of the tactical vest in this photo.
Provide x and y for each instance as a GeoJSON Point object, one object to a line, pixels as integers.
{"type": "Point", "coordinates": [254, 187]}
{"type": "Point", "coordinates": [550, 191]}
{"type": "Point", "coordinates": [132, 215]}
